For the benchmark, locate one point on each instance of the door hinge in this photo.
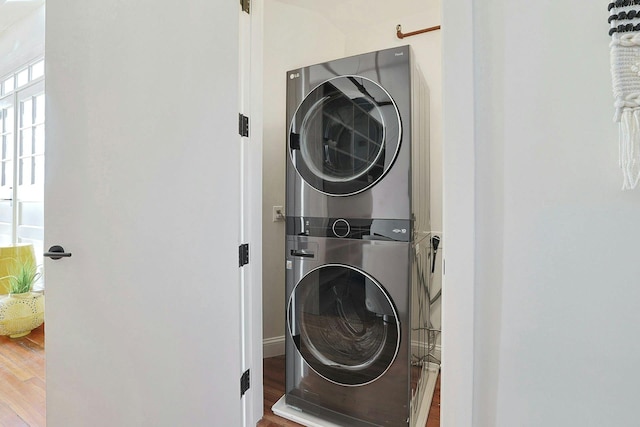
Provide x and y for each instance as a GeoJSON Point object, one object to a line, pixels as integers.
{"type": "Point", "coordinates": [245, 382]}
{"type": "Point", "coordinates": [246, 5]}
{"type": "Point", "coordinates": [243, 125]}
{"type": "Point", "coordinates": [244, 254]}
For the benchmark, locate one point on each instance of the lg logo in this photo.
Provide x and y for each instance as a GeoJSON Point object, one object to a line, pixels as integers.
{"type": "Point", "coordinates": [294, 75]}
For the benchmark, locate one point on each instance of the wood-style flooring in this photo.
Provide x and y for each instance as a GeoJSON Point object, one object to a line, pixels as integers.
{"type": "Point", "coordinates": [22, 392]}
{"type": "Point", "coordinates": [22, 385]}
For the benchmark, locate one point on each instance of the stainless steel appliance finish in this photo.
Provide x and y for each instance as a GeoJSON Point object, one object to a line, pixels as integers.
{"type": "Point", "coordinates": [358, 139]}
{"type": "Point", "coordinates": [348, 333]}
{"type": "Point", "coordinates": [357, 206]}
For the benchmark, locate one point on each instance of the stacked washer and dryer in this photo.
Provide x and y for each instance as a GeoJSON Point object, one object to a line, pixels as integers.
{"type": "Point", "coordinates": [357, 246]}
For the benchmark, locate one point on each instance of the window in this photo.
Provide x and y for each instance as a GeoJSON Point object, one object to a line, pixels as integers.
{"type": "Point", "coordinates": [22, 139]}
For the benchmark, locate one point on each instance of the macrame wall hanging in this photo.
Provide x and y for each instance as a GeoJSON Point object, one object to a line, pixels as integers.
{"type": "Point", "coordinates": [624, 17]}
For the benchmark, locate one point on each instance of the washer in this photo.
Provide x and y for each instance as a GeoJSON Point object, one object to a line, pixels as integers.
{"type": "Point", "coordinates": [356, 127]}
{"type": "Point", "coordinates": [348, 334]}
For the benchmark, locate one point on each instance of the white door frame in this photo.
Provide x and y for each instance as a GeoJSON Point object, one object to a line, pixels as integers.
{"type": "Point", "coordinates": [458, 209]}
{"type": "Point", "coordinates": [251, 105]}
{"type": "Point", "coordinates": [458, 283]}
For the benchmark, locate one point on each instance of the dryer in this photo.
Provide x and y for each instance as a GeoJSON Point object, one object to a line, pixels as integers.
{"type": "Point", "coordinates": [358, 139]}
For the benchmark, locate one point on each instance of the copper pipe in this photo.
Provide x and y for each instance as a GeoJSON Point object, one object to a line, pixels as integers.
{"type": "Point", "coordinates": [402, 35]}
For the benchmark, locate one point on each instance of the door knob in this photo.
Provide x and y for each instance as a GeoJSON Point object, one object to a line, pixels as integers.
{"type": "Point", "coordinates": [57, 252]}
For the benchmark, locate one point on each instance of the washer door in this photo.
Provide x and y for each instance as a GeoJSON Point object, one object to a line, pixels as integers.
{"type": "Point", "coordinates": [344, 325]}
{"type": "Point", "coordinates": [345, 135]}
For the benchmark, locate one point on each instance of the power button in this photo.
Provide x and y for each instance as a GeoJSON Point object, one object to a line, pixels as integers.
{"type": "Point", "coordinates": [341, 228]}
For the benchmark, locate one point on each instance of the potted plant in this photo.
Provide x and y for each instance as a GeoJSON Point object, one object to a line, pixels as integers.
{"type": "Point", "coordinates": [22, 310]}
{"type": "Point", "coordinates": [10, 258]}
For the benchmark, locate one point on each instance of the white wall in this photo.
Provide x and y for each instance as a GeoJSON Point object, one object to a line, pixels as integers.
{"type": "Point", "coordinates": [22, 42]}
{"type": "Point", "coordinates": [296, 36]}
{"type": "Point", "coordinates": [557, 268]}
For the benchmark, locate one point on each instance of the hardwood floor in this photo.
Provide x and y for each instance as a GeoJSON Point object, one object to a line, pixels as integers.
{"type": "Point", "coordinates": [22, 385]}
{"type": "Point", "coordinates": [274, 389]}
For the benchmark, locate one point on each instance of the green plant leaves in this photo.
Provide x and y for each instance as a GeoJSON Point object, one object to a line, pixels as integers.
{"type": "Point", "coordinates": [25, 275]}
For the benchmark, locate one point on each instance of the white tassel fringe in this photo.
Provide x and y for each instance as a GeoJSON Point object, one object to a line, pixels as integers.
{"type": "Point", "coordinates": [629, 140]}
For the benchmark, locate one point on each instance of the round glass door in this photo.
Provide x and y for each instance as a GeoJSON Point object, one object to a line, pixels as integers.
{"type": "Point", "coordinates": [345, 135]}
{"type": "Point", "coordinates": [344, 325]}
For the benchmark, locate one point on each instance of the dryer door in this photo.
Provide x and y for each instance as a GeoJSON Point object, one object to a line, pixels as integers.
{"type": "Point", "coordinates": [344, 324]}
{"type": "Point", "coordinates": [345, 135]}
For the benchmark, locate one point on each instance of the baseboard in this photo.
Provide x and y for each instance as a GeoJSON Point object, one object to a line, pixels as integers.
{"type": "Point", "coordinates": [273, 346]}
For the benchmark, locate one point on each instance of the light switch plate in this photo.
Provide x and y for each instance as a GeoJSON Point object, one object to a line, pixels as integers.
{"type": "Point", "coordinates": [278, 213]}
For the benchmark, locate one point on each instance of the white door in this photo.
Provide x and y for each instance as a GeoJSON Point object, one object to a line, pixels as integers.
{"type": "Point", "coordinates": [142, 188]}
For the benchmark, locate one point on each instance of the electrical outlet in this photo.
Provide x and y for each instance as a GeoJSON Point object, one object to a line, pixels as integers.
{"type": "Point", "coordinates": [278, 213]}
